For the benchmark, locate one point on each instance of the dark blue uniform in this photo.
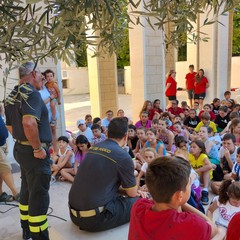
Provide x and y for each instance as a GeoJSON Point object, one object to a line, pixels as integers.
{"type": "Point", "coordinates": [35, 173]}
{"type": "Point", "coordinates": [94, 200]}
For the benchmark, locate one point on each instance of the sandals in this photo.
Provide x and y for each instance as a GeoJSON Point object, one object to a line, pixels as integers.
{"type": "Point", "coordinates": [17, 197]}
{"type": "Point", "coordinates": [4, 197]}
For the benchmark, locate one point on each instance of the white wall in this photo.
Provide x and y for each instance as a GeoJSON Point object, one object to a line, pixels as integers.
{"type": "Point", "coordinates": [77, 81]}
{"type": "Point", "coordinates": [235, 82]}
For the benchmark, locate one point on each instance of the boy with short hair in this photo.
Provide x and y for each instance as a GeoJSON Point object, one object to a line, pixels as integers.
{"type": "Point", "coordinates": [205, 121]}
{"type": "Point", "coordinates": [98, 136]}
{"type": "Point", "coordinates": [227, 154]}
{"type": "Point", "coordinates": [168, 181]}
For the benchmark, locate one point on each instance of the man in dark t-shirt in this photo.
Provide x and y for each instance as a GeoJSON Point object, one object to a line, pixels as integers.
{"type": "Point", "coordinates": [94, 199]}
{"type": "Point", "coordinates": [27, 121]}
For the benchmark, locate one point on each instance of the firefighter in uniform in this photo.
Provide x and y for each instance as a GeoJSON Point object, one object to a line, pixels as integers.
{"type": "Point", "coordinates": [27, 121]}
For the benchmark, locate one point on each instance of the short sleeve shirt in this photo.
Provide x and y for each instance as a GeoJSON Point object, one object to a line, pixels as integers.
{"type": "Point", "coordinates": [222, 122]}
{"type": "Point", "coordinates": [201, 86]}
{"type": "Point", "coordinates": [191, 122]}
{"type": "Point", "coordinates": [32, 106]}
{"type": "Point", "coordinates": [211, 124]}
{"type": "Point", "coordinates": [197, 163]}
{"type": "Point", "coordinates": [167, 224]}
{"type": "Point", "coordinates": [190, 78]}
{"type": "Point", "coordinates": [105, 168]}
{"type": "Point", "coordinates": [176, 111]}
{"type": "Point", "coordinates": [172, 90]}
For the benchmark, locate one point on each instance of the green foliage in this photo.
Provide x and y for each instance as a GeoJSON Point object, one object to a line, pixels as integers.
{"type": "Point", "coordinates": [236, 33]}
{"type": "Point", "coordinates": [59, 28]}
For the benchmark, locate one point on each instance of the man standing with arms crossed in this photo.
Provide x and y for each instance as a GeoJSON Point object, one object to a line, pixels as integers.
{"type": "Point", "coordinates": [27, 121]}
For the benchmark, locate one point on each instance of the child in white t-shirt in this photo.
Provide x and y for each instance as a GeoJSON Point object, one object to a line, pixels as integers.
{"type": "Point", "coordinates": [149, 154]}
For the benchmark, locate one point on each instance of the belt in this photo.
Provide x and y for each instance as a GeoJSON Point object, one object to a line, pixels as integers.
{"type": "Point", "coordinates": [27, 143]}
{"type": "Point", "coordinates": [88, 213]}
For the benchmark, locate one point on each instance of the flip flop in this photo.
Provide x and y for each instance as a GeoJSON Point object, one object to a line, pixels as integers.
{"type": "Point", "coordinates": [4, 197]}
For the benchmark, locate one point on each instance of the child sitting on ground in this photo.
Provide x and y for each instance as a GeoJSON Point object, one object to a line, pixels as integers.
{"type": "Point", "coordinates": [201, 164]}
{"type": "Point", "coordinates": [64, 158]}
{"type": "Point", "coordinates": [149, 154]}
{"type": "Point", "coordinates": [54, 90]}
{"type": "Point", "coordinates": [227, 203]}
{"type": "Point", "coordinates": [98, 136]}
{"type": "Point", "coordinates": [205, 121]}
{"type": "Point", "coordinates": [82, 147]}
{"type": "Point", "coordinates": [168, 181]}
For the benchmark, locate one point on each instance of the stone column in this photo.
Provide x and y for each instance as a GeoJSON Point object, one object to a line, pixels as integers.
{"type": "Point", "coordinates": [102, 73]}
{"type": "Point", "coordinates": [147, 61]}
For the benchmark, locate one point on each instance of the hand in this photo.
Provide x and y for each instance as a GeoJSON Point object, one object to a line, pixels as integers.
{"type": "Point", "coordinates": [226, 152]}
{"type": "Point", "coordinates": [59, 103]}
{"type": "Point", "coordinates": [143, 194]}
{"type": "Point", "coordinates": [41, 154]}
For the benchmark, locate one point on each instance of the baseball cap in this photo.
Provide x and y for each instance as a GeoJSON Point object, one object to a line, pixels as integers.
{"type": "Point", "coordinates": [80, 121]}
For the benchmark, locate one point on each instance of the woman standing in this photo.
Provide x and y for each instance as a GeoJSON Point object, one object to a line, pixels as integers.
{"type": "Point", "coordinates": [201, 84]}
{"type": "Point", "coordinates": [171, 86]}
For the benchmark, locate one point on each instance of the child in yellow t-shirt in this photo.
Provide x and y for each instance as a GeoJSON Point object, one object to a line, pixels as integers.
{"type": "Point", "coordinates": [201, 164]}
{"type": "Point", "coordinates": [205, 121]}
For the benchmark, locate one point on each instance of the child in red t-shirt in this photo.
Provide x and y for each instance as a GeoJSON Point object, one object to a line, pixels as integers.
{"type": "Point", "coordinates": [167, 216]}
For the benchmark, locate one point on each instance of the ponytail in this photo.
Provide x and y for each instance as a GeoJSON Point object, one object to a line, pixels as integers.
{"type": "Point", "coordinates": [229, 189]}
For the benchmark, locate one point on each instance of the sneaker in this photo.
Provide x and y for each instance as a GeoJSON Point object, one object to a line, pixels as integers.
{"type": "Point", "coordinates": [204, 198]}
{"type": "Point", "coordinates": [26, 234]}
{"type": "Point", "coordinates": [53, 180]}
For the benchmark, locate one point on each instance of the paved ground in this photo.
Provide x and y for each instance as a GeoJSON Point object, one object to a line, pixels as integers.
{"type": "Point", "coordinates": [76, 106]}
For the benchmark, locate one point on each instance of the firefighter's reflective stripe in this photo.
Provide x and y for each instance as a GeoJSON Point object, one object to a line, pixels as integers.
{"type": "Point", "coordinates": [24, 217]}
{"type": "Point", "coordinates": [38, 228]}
{"type": "Point", "coordinates": [23, 207]}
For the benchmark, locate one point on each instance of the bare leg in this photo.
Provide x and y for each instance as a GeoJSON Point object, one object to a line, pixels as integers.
{"type": "Point", "coordinates": [68, 174]}
{"type": "Point", "coordinates": [205, 179]}
{"type": "Point", "coordinates": [8, 179]}
{"type": "Point", "coordinates": [53, 109]}
{"type": "Point", "coordinates": [200, 104]}
{"type": "Point", "coordinates": [191, 103]}
{"type": "Point", "coordinates": [54, 138]}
